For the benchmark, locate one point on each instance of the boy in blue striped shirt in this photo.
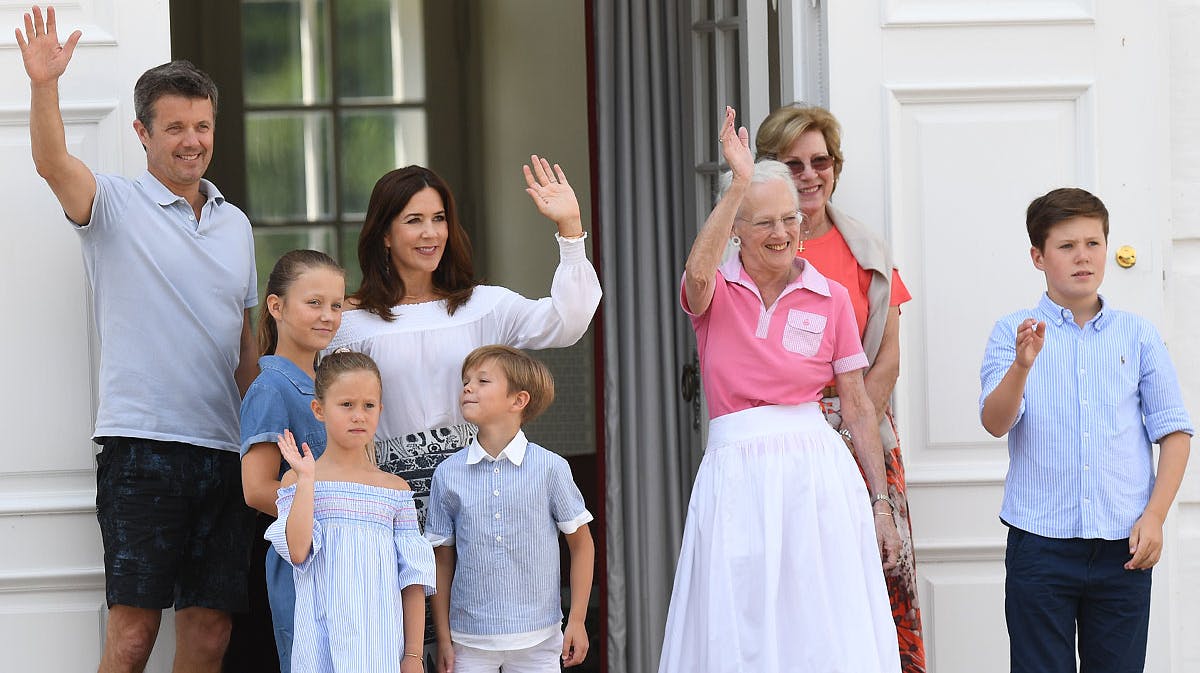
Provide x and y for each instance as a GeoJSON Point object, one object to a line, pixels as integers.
{"type": "Point", "coordinates": [1082, 390]}
{"type": "Point", "coordinates": [496, 508]}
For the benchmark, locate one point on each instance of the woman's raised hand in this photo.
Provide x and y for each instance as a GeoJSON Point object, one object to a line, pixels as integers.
{"type": "Point", "coordinates": [553, 196]}
{"type": "Point", "coordinates": [45, 59]}
{"type": "Point", "coordinates": [301, 459]}
{"type": "Point", "coordinates": [735, 146]}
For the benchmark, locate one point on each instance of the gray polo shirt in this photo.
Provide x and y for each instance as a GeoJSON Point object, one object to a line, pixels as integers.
{"type": "Point", "coordinates": [168, 295]}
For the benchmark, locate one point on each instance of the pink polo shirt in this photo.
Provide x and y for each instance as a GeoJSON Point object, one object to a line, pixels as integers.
{"type": "Point", "coordinates": [752, 355]}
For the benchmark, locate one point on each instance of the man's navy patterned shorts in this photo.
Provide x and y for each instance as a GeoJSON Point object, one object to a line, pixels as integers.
{"type": "Point", "coordinates": [176, 529]}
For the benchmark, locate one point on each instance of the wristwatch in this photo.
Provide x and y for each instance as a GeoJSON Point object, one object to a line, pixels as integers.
{"type": "Point", "coordinates": [882, 497]}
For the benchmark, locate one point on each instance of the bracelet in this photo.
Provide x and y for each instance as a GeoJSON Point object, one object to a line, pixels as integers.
{"type": "Point", "coordinates": [883, 497]}
{"type": "Point", "coordinates": [410, 654]}
{"type": "Point", "coordinates": [883, 513]}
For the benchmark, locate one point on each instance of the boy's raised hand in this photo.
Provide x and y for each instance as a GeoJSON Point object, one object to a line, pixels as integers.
{"type": "Point", "coordinates": [575, 644]}
{"type": "Point", "coordinates": [1031, 336]}
{"type": "Point", "coordinates": [301, 459]}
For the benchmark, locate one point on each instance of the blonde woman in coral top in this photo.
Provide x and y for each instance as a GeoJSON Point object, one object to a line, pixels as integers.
{"type": "Point", "coordinates": [808, 140]}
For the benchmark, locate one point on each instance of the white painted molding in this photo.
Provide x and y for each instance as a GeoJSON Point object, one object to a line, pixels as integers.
{"type": "Point", "coordinates": [966, 550]}
{"type": "Point", "coordinates": [52, 580]}
{"type": "Point", "coordinates": [48, 492]}
{"type": "Point", "coordinates": [932, 13]}
{"type": "Point", "coordinates": [973, 92]}
{"type": "Point", "coordinates": [956, 473]}
{"type": "Point", "coordinates": [85, 112]}
{"type": "Point", "coordinates": [93, 35]}
{"type": "Point", "coordinates": [49, 502]}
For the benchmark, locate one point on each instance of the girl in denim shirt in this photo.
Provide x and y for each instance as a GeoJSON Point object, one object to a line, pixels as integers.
{"type": "Point", "coordinates": [300, 315]}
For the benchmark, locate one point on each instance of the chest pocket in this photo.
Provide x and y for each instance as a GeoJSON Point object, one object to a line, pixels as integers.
{"type": "Point", "coordinates": [803, 332]}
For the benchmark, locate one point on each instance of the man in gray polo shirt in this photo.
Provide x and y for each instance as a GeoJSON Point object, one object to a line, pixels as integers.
{"type": "Point", "coordinates": [171, 266]}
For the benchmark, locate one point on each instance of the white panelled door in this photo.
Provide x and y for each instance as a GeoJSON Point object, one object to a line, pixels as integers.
{"type": "Point", "coordinates": [957, 113]}
{"type": "Point", "coordinates": [51, 573]}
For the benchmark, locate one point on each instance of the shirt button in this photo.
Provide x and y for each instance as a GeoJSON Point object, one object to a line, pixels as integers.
{"type": "Point", "coordinates": [1085, 435]}
{"type": "Point", "coordinates": [496, 470]}
{"type": "Point", "coordinates": [1084, 403]}
{"type": "Point", "coordinates": [497, 515]}
{"type": "Point", "coordinates": [1086, 501]}
{"type": "Point", "coordinates": [496, 492]}
{"type": "Point", "coordinates": [498, 538]}
{"type": "Point", "coordinates": [1083, 371]}
{"type": "Point", "coordinates": [1086, 468]}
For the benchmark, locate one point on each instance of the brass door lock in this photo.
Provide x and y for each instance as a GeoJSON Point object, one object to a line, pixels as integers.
{"type": "Point", "coordinates": [1126, 256]}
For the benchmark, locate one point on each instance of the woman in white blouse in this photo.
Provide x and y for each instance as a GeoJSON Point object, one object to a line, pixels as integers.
{"type": "Point", "coordinates": [419, 310]}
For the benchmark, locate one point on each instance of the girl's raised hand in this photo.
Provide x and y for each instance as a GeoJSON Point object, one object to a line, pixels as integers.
{"type": "Point", "coordinates": [548, 187]}
{"type": "Point", "coordinates": [301, 459]}
{"type": "Point", "coordinates": [735, 146]}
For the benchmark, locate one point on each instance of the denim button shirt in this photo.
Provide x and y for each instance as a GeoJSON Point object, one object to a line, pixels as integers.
{"type": "Point", "coordinates": [280, 398]}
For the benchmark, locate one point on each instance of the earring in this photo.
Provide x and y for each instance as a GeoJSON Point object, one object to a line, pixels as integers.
{"type": "Point", "coordinates": [735, 241]}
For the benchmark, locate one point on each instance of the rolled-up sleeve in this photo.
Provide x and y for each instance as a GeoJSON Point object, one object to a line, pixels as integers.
{"type": "Point", "coordinates": [1158, 390]}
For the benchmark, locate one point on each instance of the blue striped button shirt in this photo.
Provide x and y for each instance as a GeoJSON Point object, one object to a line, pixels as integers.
{"type": "Point", "coordinates": [1080, 456]}
{"type": "Point", "coordinates": [503, 517]}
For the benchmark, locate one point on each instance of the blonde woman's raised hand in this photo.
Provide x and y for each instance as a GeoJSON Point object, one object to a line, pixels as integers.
{"type": "Point", "coordinates": [45, 59]}
{"type": "Point", "coordinates": [735, 146]}
{"type": "Point", "coordinates": [301, 459]}
{"type": "Point", "coordinates": [548, 187]}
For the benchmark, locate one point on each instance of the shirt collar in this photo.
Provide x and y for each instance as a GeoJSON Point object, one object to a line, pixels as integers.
{"type": "Point", "coordinates": [514, 451]}
{"type": "Point", "coordinates": [284, 366]}
{"type": "Point", "coordinates": [1059, 315]}
{"type": "Point", "coordinates": [165, 197]}
{"type": "Point", "coordinates": [809, 278]}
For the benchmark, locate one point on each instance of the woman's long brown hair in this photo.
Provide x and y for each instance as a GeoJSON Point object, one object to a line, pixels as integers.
{"type": "Point", "coordinates": [381, 289]}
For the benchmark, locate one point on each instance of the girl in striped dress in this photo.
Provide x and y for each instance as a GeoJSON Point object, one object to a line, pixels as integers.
{"type": "Point", "coordinates": [349, 530]}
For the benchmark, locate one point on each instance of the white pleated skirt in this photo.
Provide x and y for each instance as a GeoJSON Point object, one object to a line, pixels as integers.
{"type": "Point", "coordinates": [779, 569]}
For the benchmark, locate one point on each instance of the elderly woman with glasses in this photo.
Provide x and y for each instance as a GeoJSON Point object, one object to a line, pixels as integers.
{"type": "Point", "coordinates": [780, 566]}
{"type": "Point", "coordinates": [808, 140]}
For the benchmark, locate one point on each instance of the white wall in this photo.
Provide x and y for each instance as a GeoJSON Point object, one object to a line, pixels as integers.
{"type": "Point", "coordinates": [51, 572]}
{"type": "Point", "coordinates": [1183, 299]}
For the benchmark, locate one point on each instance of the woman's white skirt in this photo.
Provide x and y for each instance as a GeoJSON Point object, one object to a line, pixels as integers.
{"type": "Point", "coordinates": [779, 569]}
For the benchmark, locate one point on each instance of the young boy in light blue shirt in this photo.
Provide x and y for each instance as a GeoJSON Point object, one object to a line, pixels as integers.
{"type": "Point", "coordinates": [1082, 390]}
{"type": "Point", "coordinates": [495, 511]}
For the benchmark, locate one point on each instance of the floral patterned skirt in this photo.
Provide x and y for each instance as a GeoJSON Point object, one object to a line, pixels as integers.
{"type": "Point", "coordinates": [901, 580]}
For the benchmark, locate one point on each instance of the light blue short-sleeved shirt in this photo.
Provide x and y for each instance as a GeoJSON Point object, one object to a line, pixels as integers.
{"type": "Point", "coordinates": [1080, 456]}
{"type": "Point", "coordinates": [503, 517]}
{"type": "Point", "coordinates": [168, 294]}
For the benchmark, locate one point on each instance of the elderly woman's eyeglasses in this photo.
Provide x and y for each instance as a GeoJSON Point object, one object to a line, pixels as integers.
{"type": "Point", "coordinates": [787, 221]}
{"type": "Point", "coordinates": [818, 163]}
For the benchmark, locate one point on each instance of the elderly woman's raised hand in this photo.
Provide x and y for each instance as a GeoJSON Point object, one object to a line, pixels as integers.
{"type": "Point", "coordinates": [735, 147]}
{"type": "Point", "coordinates": [553, 196]}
